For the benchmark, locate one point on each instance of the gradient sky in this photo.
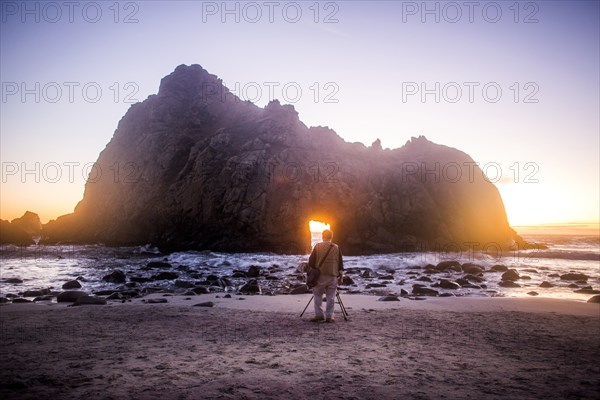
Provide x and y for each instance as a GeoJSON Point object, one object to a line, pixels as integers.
{"type": "Point", "coordinates": [370, 53]}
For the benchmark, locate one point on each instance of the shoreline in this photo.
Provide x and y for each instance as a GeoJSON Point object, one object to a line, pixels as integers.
{"type": "Point", "coordinates": [296, 303]}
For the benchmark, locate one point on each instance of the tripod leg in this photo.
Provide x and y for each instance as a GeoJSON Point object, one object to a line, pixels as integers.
{"type": "Point", "coordinates": [342, 307]}
{"type": "Point", "coordinates": [307, 304]}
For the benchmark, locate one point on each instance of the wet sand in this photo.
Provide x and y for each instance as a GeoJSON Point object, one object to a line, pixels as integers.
{"type": "Point", "coordinates": [259, 347]}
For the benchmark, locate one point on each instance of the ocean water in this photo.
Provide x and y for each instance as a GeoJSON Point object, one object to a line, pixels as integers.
{"type": "Point", "coordinates": [40, 267]}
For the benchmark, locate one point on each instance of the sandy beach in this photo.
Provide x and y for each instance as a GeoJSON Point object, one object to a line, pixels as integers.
{"type": "Point", "coordinates": [259, 347]}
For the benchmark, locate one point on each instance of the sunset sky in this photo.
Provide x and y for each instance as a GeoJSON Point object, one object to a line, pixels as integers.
{"type": "Point", "coordinates": [527, 76]}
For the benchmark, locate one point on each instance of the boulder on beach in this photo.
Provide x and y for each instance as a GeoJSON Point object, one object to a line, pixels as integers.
{"type": "Point", "coordinates": [448, 266]}
{"type": "Point", "coordinates": [74, 284]}
{"type": "Point", "coordinates": [159, 265]}
{"type": "Point", "coordinates": [115, 277]}
{"type": "Point", "coordinates": [510, 275]}
{"type": "Point", "coordinates": [446, 284]}
{"type": "Point", "coordinates": [89, 301]}
{"type": "Point", "coordinates": [499, 268]}
{"type": "Point", "coordinates": [424, 291]}
{"type": "Point", "coordinates": [70, 296]}
{"type": "Point", "coordinates": [251, 287]}
{"type": "Point", "coordinates": [594, 299]}
{"type": "Point", "coordinates": [574, 277]}
{"type": "Point", "coordinates": [509, 284]}
{"type": "Point", "coordinates": [471, 268]}
{"type": "Point", "coordinates": [253, 271]}
{"type": "Point", "coordinates": [165, 276]}
{"type": "Point", "coordinates": [300, 289]}
{"type": "Point", "coordinates": [389, 298]}
{"type": "Point", "coordinates": [546, 285]}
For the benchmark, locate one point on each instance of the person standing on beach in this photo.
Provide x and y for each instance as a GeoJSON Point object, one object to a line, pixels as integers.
{"type": "Point", "coordinates": [328, 256]}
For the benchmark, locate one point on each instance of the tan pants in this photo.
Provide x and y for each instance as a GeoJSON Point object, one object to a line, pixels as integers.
{"type": "Point", "coordinates": [327, 284]}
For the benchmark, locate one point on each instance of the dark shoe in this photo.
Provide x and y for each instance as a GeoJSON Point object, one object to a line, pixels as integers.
{"type": "Point", "coordinates": [317, 319]}
{"type": "Point", "coordinates": [330, 319]}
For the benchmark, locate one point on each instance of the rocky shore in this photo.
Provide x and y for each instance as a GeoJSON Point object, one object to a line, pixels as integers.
{"type": "Point", "coordinates": [192, 274]}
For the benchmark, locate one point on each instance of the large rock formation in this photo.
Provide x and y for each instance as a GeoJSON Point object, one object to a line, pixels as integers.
{"type": "Point", "coordinates": [21, 230]}
{"type": "Point", "coordinates": [196, 167]}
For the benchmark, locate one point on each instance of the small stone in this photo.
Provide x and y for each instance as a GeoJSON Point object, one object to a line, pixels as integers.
{"type": "Point", "coordinates": [587, 291]}
{"type": "Point", "coordinates": [251, 287]}
{"type": "Point", "coordinates": [346, 280]}
{"type": "Point", "coordinates": [447, 265]}
{"type": "Point", "coordinates": [200, 290]}
{"type": "Point", "coordinates": [227, 296]}
{"type": "Point", "coordinates": [533, 293]}
{"type": "Point", "coordinates": [421, 290]}
{"type": "Point", "coordinates": [21, 300]}
{"type": "Point", "coordinates": [546, 284]}
{"type": "Point", "coordinates": [13, 280]}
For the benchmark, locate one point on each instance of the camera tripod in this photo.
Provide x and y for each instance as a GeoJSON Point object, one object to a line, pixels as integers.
{"type": "Point", "coordinates": [339, 300]}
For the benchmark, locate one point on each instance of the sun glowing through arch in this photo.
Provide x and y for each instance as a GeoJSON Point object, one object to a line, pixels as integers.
{"type": "Point", "coordinates": [316, 228]}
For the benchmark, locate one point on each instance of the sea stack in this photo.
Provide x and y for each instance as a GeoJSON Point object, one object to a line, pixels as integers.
{"type": "Point", "coordinates": [195, 167]}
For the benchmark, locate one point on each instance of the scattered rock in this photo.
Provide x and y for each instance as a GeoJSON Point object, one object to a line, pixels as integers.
{"type": "Point", "coordinates": [530, 270]}
{"type": "Point", "coordinates": [509, 284]}
{"type": "Point", "coordinates": [369, 273]}
{"type": "Point", "coordinates": [227, 296]}
{"type": "Point", "coordinates": [70, 296]}
{"type": "Point", "coordinates": [238, 274]}
{"type": "Point", "coordinates": [573, 286]}
{"type": "Point", "coordinates": [89, 300]}
{"type": "Point", "coordinates": [200, 290]}
{"type": "Point", "coordinates": [546, 284]}
{"type": "Point", "coordinates": [471, 268]}
{"type": "Point", "coordinates": [403, 292]}
{"type": "Point", "coordinates": [253, 271]}
{"type": "Point", "coordinates": [165, 276]}
{"type": "Point", "coordinates": [448, 265]}
{"type": "Point", "coordinates": [157, 301]}
{"type": "Point", "coordinates": [510, 275]}
{"type": "Point", "coordinates": [346, 280]}
{"type": "Point", "coordinates": [205, 304]}
{"type": "Point", "coordinates": [446, 284]}
{"type": "Point", "coordinates": [35, 293]}
{"type": "Point", "coordinates": [47, 297]}
{"type": "Point", "coordinates": [72, 285]}
{"type": "Point", "coordinates": [587, 291]}
{"type": "Point", "coordinates": [423, 291]}
{"type": "Point", "coordinates": [21, 300]}
{"type": "Point", "coordinates": [389, 298]}
{"type": "Point", "coordinates": [594, 299]}
{"type": "Point", "coordinates": [532, 293]}
{"type": "Point", "coordinates": [499, 268]}
{"type": "Point", "coordinates": [423, 279]}
{"type": "Point", "coordinates": [574, 277]}
{"type": "Point", "coordinates": [300, 289]}
{"type": "Point", "coordinates": [115, 277]}
{"type": "Point", "coordinates": [251, 287]}
{"type": "Point", "coordinates": [375, 285]}
{"type": "Point", "coordinates": [184, 284]}
{"type": "Point", "coordinates": [159, 265]}
{"type": "Point", "coordinates": [446, 295]}
{"type": "Point", "coordinates": [13, 280]}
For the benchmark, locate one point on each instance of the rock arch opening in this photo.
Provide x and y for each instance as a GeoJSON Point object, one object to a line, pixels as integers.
{"type": "Point", "coordinates": [316, 229]}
